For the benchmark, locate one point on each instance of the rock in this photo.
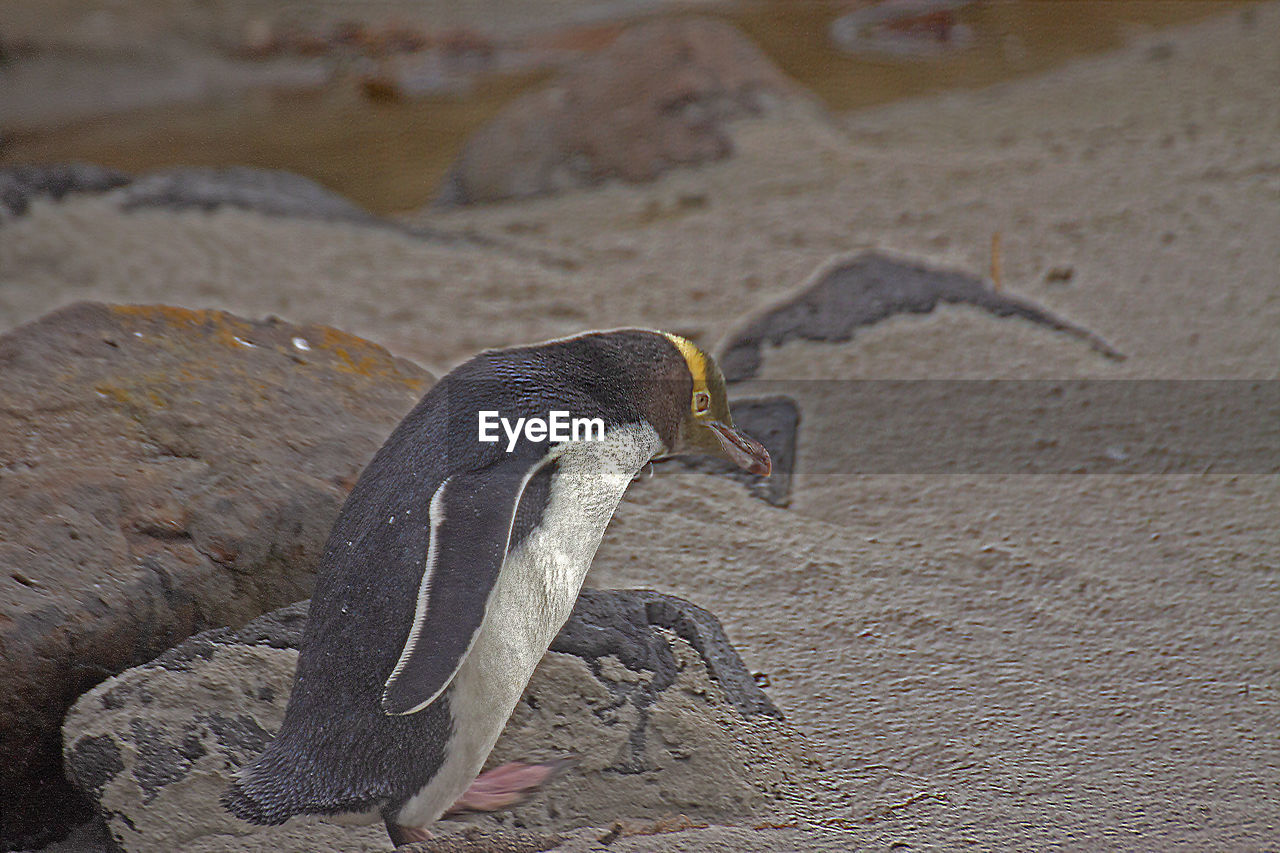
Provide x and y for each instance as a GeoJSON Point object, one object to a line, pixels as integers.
{"type": "Point", "coordinates": [643, 689]}
{"type": "Point", "coordinates": [20, 184]}
{"type": "Point", "coordinates": [774, 422]}
{"type": "Point", "coordinates": [162, 471]}
{"type": "Point", "coordinates": [266, 191]}
{"type": "Point", "coordinates": [662, 95]}
{"type": "Point", "coordinates": [912, 29]}
{"type": "Point", "coordinates": [870, 288]}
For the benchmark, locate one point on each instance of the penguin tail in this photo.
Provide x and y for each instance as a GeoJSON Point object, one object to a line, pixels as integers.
{"type": "Point", "coordinates": [249, 802]}
{"type": "Point", "coordinates": [263, 792]}
{"type": "Point", "coordinates": [282, 783]}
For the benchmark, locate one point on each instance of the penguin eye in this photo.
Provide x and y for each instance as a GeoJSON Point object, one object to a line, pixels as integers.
{"type": "Point", "coordinates": [701, 402]}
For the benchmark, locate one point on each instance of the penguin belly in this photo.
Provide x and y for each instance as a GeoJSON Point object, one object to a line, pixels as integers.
{"type": "Point", "coordinates": [532, 599]}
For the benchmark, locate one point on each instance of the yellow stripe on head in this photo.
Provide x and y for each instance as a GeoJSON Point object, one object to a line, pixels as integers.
{"type": "Point", "coordinates": [694, 357]}
{"type": "Point", "coordinates": [710, 399]}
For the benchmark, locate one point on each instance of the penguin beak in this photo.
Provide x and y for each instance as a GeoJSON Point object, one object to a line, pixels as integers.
{"type": "Point", "coordinates": [743, 450]}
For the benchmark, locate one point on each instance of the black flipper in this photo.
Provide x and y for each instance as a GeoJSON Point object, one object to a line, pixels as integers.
{"type": "Point", "coordinates": [472, 514]}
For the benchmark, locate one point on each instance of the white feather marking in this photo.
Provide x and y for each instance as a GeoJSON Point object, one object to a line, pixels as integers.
{"type": "Point", "coordinates": [532, 598]}
{"type": "Point", "coordinates": [436, 517]}
{"type": "Point", "coordinates": [424, 587]}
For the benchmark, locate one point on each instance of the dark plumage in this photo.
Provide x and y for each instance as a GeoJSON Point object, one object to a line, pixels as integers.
{"type": "Point", "coordinates": [339, 749]}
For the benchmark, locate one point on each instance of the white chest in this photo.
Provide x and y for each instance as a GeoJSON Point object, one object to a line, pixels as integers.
{"type": "Point", "coordinates": [533, 596]}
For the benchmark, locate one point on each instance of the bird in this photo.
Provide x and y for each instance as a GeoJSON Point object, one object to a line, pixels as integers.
{"type": "Point", "coordinates": [454, 563]}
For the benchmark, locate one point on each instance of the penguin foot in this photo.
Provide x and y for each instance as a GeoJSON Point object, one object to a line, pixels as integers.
{"type": "Point", "coordinates": [505, 786]}
{"type": "Point", "coordinates": [407, 834]}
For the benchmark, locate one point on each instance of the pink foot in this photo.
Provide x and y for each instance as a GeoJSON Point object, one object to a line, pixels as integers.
{"type": "Point", "coordinates": [504, 786]}
{"type": "Point", "coordinates": [407, 834]}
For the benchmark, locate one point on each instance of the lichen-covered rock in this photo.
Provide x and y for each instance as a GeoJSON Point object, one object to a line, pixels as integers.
{"type": "Point", "coordinates": [162, 471]}
{"type": "Point", "coordinates": [643, 691]}
{"type": "Point", "coordinates": [660, 96]}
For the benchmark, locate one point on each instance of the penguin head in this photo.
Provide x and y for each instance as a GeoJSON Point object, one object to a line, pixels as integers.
{"type": "Point", "coordinates": [705, 423]}
{"type": "Point", "coordinates": [624, 375]}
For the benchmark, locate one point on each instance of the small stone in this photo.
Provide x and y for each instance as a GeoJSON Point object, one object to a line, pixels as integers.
{"type": "Point", "coordinates": [1060, 275]}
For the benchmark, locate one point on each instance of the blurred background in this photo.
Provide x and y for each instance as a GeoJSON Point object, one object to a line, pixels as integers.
{"type": "Point", "coordinates": [375, 99]}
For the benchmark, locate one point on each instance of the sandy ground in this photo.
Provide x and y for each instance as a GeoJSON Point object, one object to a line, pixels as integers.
{"type": "Point", "coordinates": [1086, 661]}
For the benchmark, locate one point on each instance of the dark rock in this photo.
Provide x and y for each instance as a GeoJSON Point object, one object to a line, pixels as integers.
{"type": "Point", "coordinates": [162, 471]}
{"type": "Point", "coordinates": [871, 288]}
{"type": "Point", "coordinates": [647, 694]}
{"type": "Point", "coordinates": [279, 629]}
{"type": "Point", "coordinates": [20, 184]}
{"type": "Point", "coordinates": [239, 737]}
{"type": "Point", "coordinates": [643, 689]}
{"type": "Point", "coordinates": [265, 191]}
{"type": "Point", "coordinates": [620, 622]}
{"type": "Point", "coordinates": [660, 96]}
{"type": "Point", "coordinates": [161, 760]}
{"type": "Point", "coordinates": [774, 422]}
{"type": "Point", "coordinates": [96, 762]}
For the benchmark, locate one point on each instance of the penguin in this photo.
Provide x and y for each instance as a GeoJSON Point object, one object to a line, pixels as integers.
{"type": "Point", "coordinates": [455, 562]}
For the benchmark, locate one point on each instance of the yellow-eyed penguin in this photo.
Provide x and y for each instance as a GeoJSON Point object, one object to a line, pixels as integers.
{"type": "Point", "coordinates": [457, 559]}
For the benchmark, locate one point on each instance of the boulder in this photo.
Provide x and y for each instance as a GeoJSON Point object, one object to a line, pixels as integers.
{"type": "Point", "coordinates": [162, 472]}
{"type": "Point", "coordinates": [270, 192]}
{"type": "Point", "coordinates": [266, 191]}
{"type": "Point", "coordinates": [662, 95]}
{"type": "Point", "coordinates": [20, 184]}
{"type": "Point", "coordinates": [641, 689]}
{"type": "Point", "coordinates": [871, 287]}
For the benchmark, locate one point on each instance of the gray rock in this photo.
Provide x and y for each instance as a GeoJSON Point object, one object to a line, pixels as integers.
{"type": "Point", "coordinates": [643, 690]}
{"type": "Point", "coordinates": [870, 288]}
{"type": "Point", "coordinates": [162, 471]}
{"type": "Point", "coordinates": [662, 95]}
{"type": "Point", "coordinates": [20, 184]}
{"type": "Point", "coordinates": [269, 192]}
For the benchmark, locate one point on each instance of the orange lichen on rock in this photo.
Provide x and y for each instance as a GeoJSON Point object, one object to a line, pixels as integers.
{"type": "Point", "coordinates": [196, 459]}
{"type": "Point", "coordinates": [222, 327]}
{"type": "Point", "coordinates": [350, 354]}
{"type": "Point", "coordinates": [138, 395]}
{"type": "Point", "coordinates": [360, 356]}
